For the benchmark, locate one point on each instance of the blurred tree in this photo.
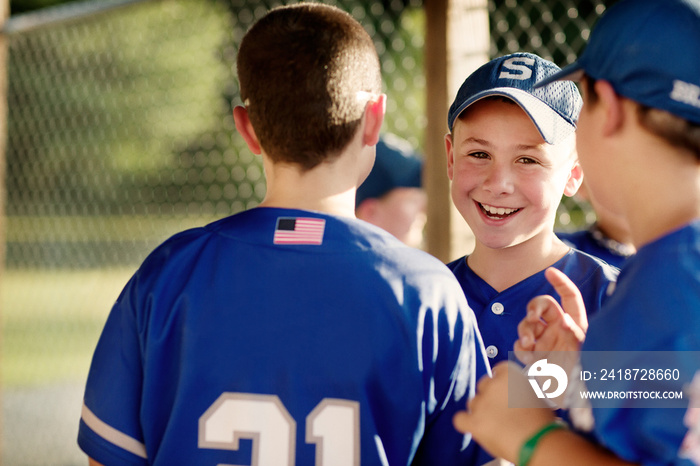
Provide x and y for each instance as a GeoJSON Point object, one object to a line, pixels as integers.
{"type": "Point", "coordinates": [95, 115]}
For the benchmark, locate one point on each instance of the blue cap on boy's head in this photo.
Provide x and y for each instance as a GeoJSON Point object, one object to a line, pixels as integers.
{"type": "Point", "coordinates": [554, 109]}
{"type": "Point", "coordinates": [649, 51]}
{"type": "Point", "coordinates": [396, 166]}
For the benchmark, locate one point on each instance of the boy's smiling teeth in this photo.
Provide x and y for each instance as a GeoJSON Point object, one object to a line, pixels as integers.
{"type": "Point", "coordinates": [496, 211]}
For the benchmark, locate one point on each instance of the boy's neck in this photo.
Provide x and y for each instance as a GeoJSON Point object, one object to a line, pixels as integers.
{"type": "Point", "coordinates": [667, 209]}
{"type": "Point", "coordinates": [342, 204]}
{"type": "Point", "coordinates": [505, 267]}
{"type": "Point", "coordinates": [328, 188]}
{"type": "Point", "coordinates": [660, 192]}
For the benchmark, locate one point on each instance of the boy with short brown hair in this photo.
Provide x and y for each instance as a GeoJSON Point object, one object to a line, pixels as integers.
{"type": "Point", "coordinates": [291, 333]}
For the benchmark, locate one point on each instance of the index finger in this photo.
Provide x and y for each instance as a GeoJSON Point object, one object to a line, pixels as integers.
{"type": "Point", "coordinates": [571, 299]}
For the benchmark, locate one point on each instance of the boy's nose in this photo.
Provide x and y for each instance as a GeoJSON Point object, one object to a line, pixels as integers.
{"type": "Point", "coordinates": [499, 180]}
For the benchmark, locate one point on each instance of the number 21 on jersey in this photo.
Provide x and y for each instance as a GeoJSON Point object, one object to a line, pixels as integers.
{"type": "Point", "coordinates": [333, 426]}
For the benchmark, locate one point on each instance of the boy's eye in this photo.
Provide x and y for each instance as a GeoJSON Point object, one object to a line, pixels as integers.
{"type": "Point", "coordinates": [479, 155]}
{"type": "Point", "coordinates": [527, 160]}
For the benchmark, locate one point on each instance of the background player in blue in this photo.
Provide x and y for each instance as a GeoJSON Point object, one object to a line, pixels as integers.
{"type": "Point", "coordinates": [292, 333]}
{"type": "Point", "coordinates": [639, 144]}
{"type": "Point", "coordinates": [511, 156]}
{"type": "Point", "coordinates": [392, 196]}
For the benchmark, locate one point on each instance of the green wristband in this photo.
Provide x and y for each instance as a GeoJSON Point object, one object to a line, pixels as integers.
{"type": "Point", "coordinates": [528, 447]}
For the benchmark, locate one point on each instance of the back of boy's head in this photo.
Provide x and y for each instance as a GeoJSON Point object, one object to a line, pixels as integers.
{"type": "Point", "coordinates": [648, 51]}
{"type": "Point", "coordinates": [553, 110]}
{"type": "Point", "coordinates": [306, 73]}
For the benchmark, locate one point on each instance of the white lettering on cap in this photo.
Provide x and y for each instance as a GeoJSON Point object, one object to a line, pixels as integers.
{"type": "Point", "coordinates": [686, 93]}
{"type": "Point", "coordinates": [517, 71]}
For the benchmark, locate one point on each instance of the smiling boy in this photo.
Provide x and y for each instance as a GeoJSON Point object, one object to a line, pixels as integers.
{"type": "Point", "coordinates": [639, 142]}
{"type": "Point", "coordinates": [510, 157]}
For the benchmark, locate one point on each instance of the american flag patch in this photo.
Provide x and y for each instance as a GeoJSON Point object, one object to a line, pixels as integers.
{"type": "Point", "coordinates": [299, 230]}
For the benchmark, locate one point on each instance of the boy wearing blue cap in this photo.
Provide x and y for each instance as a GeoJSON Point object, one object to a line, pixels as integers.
{"type": "Point", "coordinates": [392, 196]}
{"type": "Point", "coordinates": [639, 143]}
{"type": "Point", "coordinates": [511, 156]}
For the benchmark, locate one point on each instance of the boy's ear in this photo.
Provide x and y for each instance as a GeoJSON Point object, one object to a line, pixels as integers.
{"type": "Point", "coordinates": [374, 118]}
{"type": "Point", "coordinates": [243, 125]}
{"type": "Point", "coordinates": [611, 103]}
{"type": "Point", "coordinates": [449, 150]}
{"type": "Point", "coordinates": [575, 180]}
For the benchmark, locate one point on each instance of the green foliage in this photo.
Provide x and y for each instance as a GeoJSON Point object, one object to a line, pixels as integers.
{"type": "Point", "coordinates": [94, 112]}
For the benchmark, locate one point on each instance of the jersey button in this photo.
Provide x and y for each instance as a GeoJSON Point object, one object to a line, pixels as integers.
{"type": "Point", "coordinates": [491, 351]}
{"type": "Point", "coordinates": [497, 308]}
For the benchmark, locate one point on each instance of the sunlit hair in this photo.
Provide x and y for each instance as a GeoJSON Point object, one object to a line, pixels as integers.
{"type": "Point", "coordinates": [306, 73]}
{"type": "Point", "coordinates": [675, 130]}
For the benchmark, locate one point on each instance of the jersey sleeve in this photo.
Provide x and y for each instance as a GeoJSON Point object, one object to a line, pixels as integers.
{"type": "Point", "coordinates": [636, 427]}
{"type": "Point", "coordinates": [650, 322]}
{"type": "Point", "coordinates": [453, 358]}
{"type": "Point", "coordinates": [116, 403]}
{"type": "Point", "coordinates": [109, 429]}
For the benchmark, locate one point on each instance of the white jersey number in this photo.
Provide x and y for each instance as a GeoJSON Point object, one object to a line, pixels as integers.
{"type": "Point", "coordinates": [333, 426]}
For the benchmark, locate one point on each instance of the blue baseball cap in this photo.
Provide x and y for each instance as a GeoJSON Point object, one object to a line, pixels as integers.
{"type": "Point", "coordinates": [554, 110]}
{"type": "Point", "coordinates": [649, 51]}
{"type": "Point", "coordinates": [397, 165]}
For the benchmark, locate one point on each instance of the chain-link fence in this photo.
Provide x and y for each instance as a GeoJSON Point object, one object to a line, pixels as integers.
{"type": "Point", "coordinates": [120, 134]}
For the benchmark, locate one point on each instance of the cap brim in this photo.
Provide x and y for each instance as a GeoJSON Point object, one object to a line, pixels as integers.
{"type": "Point", "coordinates": [551, 126]}
{"type": "Point", "coordinates": [573, 72]}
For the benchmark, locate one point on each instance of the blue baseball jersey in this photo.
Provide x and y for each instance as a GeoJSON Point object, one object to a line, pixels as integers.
{"type": "Point", "coordinates": [280, 337]}
{"type": "Point", "coordinates": [655, 307]}
{"type": "Point", "coordinates": [595, 243]}
{"type": "Point", "coordinates": [498, 314]}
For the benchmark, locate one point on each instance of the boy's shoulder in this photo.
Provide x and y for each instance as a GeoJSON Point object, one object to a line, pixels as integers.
{"type": "Point", "coordinates": [575, 263]}
{"type": "Point", "coordinates": [581, 267]}
{"type": "Point", "coordinates": [319, 239]}
{"type": "Point", "coordinates": [594, 242]}
{"type": "Point", "coordinates": [670, 262]}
